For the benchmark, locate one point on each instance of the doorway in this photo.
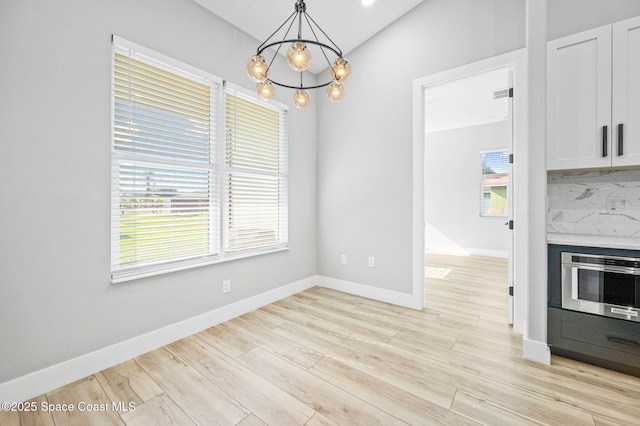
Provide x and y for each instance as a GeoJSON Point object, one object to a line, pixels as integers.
{"type": "Point", "coordinates": [466, 128]}
{"type": "Point", "coordinates": [467, 145]}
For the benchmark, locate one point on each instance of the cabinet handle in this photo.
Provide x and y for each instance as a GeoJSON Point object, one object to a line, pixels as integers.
{"type": "Point", "coordinates": [623, 341]}
{"type": "Point", "coordinates": [620, 139]}
{"type": "Point", "coordinates": [605, 153]}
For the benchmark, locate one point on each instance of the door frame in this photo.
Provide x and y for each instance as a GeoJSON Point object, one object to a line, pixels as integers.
{"type": "Point", "coordinates": [517, 61]}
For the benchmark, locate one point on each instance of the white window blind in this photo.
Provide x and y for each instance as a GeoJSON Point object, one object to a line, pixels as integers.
{"type": "Point", "coordinates": [165, 176]}
{"type": "Point", "coordinates": [256, 182]}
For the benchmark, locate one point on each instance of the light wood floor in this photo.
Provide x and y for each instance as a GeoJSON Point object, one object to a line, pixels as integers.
{"type": "Point", "coordinates": [326, 358]}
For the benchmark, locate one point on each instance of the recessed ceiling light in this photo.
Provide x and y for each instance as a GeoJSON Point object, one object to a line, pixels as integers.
{"type": "Point", "coordinates": [367, 2]}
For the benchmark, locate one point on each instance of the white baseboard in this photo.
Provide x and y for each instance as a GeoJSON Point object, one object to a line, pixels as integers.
{"type": "Point", "coordinates": [50, 378]}
{"type": "Point", "coordinates": [370, 292]}
{"type": "Point", "coordinates": [466, 251]}
{"type": "Point", "coordinates": [536, 351]}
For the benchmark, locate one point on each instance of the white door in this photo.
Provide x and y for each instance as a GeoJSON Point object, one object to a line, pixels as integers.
{"type": "Point", "coordinates": [510, 222]}
{"type": "Point", "coordinates": [579, 100]}
{"type": "Point", "coordinates": [626, 93]}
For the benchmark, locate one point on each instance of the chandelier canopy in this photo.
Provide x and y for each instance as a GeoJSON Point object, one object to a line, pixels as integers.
{"type": "Point", "coordinates": [299, 58]}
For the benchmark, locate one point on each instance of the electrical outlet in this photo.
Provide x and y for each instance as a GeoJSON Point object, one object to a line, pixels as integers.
{"type": "Point", "coordinates": [372, 262]}
{"type": "Point", "coordinates": [343, 259]}
{"type": "Point", "coordinates": [226, 286]}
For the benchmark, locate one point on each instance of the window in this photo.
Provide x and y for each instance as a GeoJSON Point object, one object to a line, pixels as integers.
{"type": "Point", "coordinates": [494, 183]}
{"type": "Point", "coordinates": [255, 173]}
{"type": "Point", "coordinates": [165, 202]}
{"type": "Point", "coordinates": [180, 196]}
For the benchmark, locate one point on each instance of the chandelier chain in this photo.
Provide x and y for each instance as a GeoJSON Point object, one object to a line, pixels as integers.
{"type": "Point", "coordinates": [307, 17]}
{"type": "Point", "coordinates": [276, 31]}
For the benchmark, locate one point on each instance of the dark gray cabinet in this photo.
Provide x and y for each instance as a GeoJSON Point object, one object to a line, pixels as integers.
{"type": "Point", "coordinates": [607, 342]}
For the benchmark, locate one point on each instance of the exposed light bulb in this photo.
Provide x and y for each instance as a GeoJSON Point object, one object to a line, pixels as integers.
{"type": "Point", "coordinates": [298, 56]}
{"type": "Point", "coordinates": [266, 90]}
{"type": "Point", "coordinates": [340, 70]}
{"type": "Point", "coordinates": [258, 68]}
{"type": "Point", "coordinates": [335, 92]}
{"type": "Point", "coordinates": [301, 99]}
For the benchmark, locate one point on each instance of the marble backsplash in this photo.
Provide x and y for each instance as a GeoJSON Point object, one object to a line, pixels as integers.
{"type": "Point", "coordinates": [594, 203]}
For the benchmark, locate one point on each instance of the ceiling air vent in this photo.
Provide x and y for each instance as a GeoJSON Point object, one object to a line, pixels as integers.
{"type": "Point", "coordinates": [500, 93]}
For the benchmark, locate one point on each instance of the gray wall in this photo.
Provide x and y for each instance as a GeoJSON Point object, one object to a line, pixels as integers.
{"type": "Point", "coordinates": [365, 142]}
{"type": "Point", "coordinates": [56, 301]}
{"type": "Point", "coordinates": [452, 191]}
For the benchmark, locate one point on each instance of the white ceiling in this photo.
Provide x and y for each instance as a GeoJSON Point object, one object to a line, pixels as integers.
{"type": "Point", "coordinates": [347, 22]}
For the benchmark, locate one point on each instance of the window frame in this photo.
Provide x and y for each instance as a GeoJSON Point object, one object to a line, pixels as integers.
{"type": "Point", "coordinates": [283, 111]}
{"type": "Point", "coordinates": [482, 212]}
{"type": "Point", "coordinates": [217, 194]}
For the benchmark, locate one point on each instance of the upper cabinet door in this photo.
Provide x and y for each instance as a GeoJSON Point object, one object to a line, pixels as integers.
{"type": "Point", "coordinates": [579, 100]}
{"type": "Point", "coordinates": [626, 93]}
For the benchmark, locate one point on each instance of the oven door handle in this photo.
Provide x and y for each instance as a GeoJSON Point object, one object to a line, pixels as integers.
{"type": "Point", "coordinates": [603, 268]}
{"type": "Point", "coordinates": [620, 341]}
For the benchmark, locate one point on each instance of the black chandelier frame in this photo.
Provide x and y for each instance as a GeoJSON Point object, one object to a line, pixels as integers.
{"type": "Point", "coordinates": [298, 14]}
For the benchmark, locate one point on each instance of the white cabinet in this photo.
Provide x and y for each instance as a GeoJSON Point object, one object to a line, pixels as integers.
{"type": "Point", "coordinates": [593, 99]}
{"type": "Point", "coordinates": [626, 92]}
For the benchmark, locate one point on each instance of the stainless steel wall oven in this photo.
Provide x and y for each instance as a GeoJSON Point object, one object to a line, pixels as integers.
{"type": "Point", "coordinates": [601, 284]}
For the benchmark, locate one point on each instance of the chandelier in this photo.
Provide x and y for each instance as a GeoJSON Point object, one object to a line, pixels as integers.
{"type": "Point", "coordinates": [299, 59]}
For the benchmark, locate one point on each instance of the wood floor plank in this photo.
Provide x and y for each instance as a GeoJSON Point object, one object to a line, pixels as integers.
{"type": "Point", "coordinates": [338, 314]}
{"type": "Point", "coordinates": [91, 405]}
{"type": "Point", "coordinates": [227, 341]}
{"type": "Point", "coordinates": [262, 317]}
{"type": "Point", "coordinates": [486, 412]}
{"type": "Point", "coordinates": [292, 351]}
{"type": "Point", "coordinates": [468, 376]}
{"type": "Point", "coordinates": [392, 399]}
{"type": "Point", "coordinates": [474, 332]}
{"type": "Point", "coordinates": [203, 401]}
{"type": "Point", "coordinates": [37, 417]}
{"type": "Point", "coordinates": [328, 328]}
{"type": "Point", "coordinates": [259, 396]}
{"type": "Point", "coordinates": [330, 401]}
{"type": "Point", "coordinates": [310, 338]}
{"type": "Point", "coordinates": [348, 301]}
{"type": "Point", "coordinates": [603, 421]}
{"type": "Point", "coordinates": [357, 322]}
{"type": "Point", "coordinates": [160, 410]}
{"type": "Point", "coordinates": [127, 383]}
{"type": "Point", "coordinates": [251, 420]}
{"type": "Point", "coordinates": [594, 374]}
{"type": "Point", "coordinates": [320, 420]}
{"type": "Point", "coordinates": [435, 388]}
{"type": "Point", "coordinates": [9, 418]}
{"type": "Point", "coordinates": [434, 337]}
{"type": "Point", "coordinates": [598, 388]}
{"type": "Point", "coordinates": [305, 298]}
